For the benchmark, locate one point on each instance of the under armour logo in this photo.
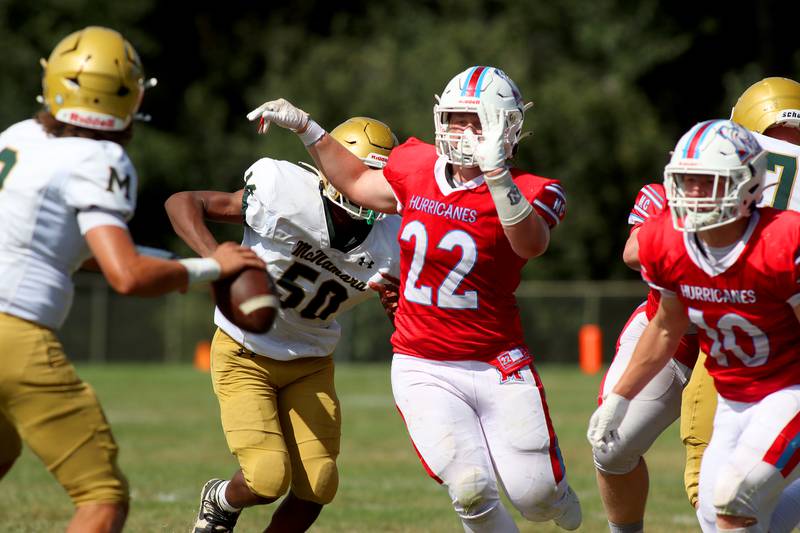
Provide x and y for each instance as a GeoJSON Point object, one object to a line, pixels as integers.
{"type": "Point", "coordinates": [363, 261]}
{"type": "Point", "coordinates": [514, 196]}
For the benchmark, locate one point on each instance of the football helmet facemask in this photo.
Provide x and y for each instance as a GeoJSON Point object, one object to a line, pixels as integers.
{"type": "Point", "coordinates": [769, 102]}
{"type": "Point", "coordinates": [371, 141]}
{"type": "Point", "coordinates": [94, 79]}
{"type": "Point", "coordinates": [731, 154]}
{"type": "Point", "coordinates": [463, 94]}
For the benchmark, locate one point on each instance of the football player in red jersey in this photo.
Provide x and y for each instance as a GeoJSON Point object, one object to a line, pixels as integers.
{"type": "Point", "coordinates": [622, 475]}
{"type": "Point", "coordinates": [462, 376]}
{"type": "Point", "coordinates": [731, 270]}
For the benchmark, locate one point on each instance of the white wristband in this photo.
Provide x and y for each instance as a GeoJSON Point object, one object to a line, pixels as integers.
{"type": "Point", "coordinates": [511, 205]}
{"type": "Point", "coordinates": [201, 269]}
{"type": "Point", "coordinates": [313, 133]}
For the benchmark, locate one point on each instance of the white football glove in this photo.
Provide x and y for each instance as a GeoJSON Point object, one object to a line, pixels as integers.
{"type": "Point", "coordinates": [282, 113]}
{"type": "Point", "coordinates": [605, 421]}
{"type": "Point", "coordinates": [490, 153]}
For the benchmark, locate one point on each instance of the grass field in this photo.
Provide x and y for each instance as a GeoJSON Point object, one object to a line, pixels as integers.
{"type": "Point", "coordinates": [166, 421]}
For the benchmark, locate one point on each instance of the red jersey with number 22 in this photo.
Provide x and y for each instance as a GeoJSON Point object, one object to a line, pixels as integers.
{"type": "Point", "coordinates": [742, 304]}
{"type": "Point", "coordinates": [458, 272]}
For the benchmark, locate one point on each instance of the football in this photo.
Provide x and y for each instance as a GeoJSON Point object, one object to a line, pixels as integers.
{"type": "Point", "coordinates": [248, 299]}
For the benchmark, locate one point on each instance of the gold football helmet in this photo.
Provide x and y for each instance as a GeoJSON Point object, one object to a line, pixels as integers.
{"type": "Point", "coordinates": [769, 102]}
{"type": "Point", "coordinates": [371, 141]}
{"type": "Point", "coordinates": [94, 79]}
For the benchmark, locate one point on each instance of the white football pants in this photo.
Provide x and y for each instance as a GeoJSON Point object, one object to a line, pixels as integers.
{"type": "Point", "coordinates": [471, 427]}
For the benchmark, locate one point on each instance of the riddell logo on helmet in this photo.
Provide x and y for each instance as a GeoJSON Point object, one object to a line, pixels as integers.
{"type": "Point", "coordinates": [469, 101]}
{"type": "Point", "coordinates": [92, 122]}
{"type": "Point", "coordinates": [378, 158]}
{"type": "Point", "coordinates": [87, 119]}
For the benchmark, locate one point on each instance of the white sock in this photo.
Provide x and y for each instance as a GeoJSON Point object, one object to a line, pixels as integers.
{"type": "Point", "coordinates": [222, 502]}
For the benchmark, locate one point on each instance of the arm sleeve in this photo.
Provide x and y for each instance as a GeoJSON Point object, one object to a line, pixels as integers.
{"type": "Point", "coordinates": [650, 201]}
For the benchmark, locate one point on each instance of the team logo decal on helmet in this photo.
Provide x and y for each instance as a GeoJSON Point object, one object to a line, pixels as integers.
{"type": "Point", "coordinates": [94, 79]}
{"type": "Point", "coordinates": [464, 94]}
{"type": "Point", "coordinates": [731, 155]}
{"type": "Point", "coordinates": [371, 141]}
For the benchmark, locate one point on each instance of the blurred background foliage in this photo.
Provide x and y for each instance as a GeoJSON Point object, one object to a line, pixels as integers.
{"type": "Point", "coordinates": [614, 84]}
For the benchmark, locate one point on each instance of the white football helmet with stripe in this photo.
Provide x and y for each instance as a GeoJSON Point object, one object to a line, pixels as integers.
{"type": "Point", "coordinates": [463, 94]}
{"type": "Point", "coordinates": [731, 154]}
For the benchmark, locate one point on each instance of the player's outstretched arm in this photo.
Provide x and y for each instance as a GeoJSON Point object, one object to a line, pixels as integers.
{"type": "Point", "coordinates": [362, 185]}
{"type": "Point", "coordinates": [130, 273]}
{"type": "Point", "coordinates": [365, 186]}
{"type": "Point", "coordinates": [188, 211]}
{"type": "Point", "coordinates": [658, 343]}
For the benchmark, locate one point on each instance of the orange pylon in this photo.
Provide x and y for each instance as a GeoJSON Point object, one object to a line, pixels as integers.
{"type": "Point", "coordinates": [202, 356]}
{"type": "Point", "coordinates": [590, 348]}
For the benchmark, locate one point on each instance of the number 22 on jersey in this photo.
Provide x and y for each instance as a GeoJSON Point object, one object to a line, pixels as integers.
{"type": "Point", "coordinates": [446, 297]}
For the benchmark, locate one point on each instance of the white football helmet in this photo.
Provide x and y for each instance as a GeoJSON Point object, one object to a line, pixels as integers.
{"type": "Point", "coordinates": [463, 94]}
{"type": "Point", "coordinates": [731, 154]}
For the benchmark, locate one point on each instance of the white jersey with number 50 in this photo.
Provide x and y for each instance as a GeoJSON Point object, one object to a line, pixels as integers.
{"type": "Point", "coordinates": [286, 225]}
{"type": "Point", "coordinates": [45, 183]}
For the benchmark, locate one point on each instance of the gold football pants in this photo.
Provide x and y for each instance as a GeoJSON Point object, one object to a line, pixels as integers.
{"type": "Point", "coordinates": [697, 422]}
{"type": "Point", "coordinates": [281, 420]}
{"type": "Point", "coordinates": [44, 403]}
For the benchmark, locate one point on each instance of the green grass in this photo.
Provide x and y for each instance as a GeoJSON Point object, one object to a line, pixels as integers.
{"type": "Point", "coordinates": [166, 421]}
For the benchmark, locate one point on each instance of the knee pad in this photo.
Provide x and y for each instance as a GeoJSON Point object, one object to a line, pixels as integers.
{"type": "Point", "coordinates": [473, 492]}
{"type": "Point", "coordinates": [543, 502]}
{"type": "Point", "coordinates": [320, 484]}
{"type": "Point", "coordinates": [736, 493]}
{"type": "Point", "coordinates": [266, 472]}
{"type": "Point", "coordinates": [617, 460]}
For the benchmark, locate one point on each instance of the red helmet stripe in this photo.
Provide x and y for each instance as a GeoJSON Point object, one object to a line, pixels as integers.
{"type": "Point", "coordinates": [472, 84]}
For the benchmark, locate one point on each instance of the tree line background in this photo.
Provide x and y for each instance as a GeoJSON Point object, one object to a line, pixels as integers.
{"type": "Point", "coordinates": [614, 84]}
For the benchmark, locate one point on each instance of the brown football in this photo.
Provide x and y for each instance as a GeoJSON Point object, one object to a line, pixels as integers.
{"type": "Point", "coordinates": [248, 299]}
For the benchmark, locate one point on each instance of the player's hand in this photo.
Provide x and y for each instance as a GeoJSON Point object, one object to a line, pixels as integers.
{"type": "Point", "coordinates": [605, 421]}
{"type": "Point", "coordinates": [233, 258]}
{"type": "Point", "coordinates": [282, 113]}
{"type": "Point", "coordinates": [388, 292]}
{"type": "Point", "coordinates": [490, 153]}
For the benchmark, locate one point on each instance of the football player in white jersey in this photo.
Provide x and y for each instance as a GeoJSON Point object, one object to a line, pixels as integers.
{"type": "Point", "coordinates": [276, 391]}
{"type": "Point", "coordinates": [67, 190]}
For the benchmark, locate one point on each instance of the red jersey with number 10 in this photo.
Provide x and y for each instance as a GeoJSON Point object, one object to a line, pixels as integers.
{"type": "Point", "coordinates": [458, 272]}
{"type": "Point", "coordinates": [742, 303]}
